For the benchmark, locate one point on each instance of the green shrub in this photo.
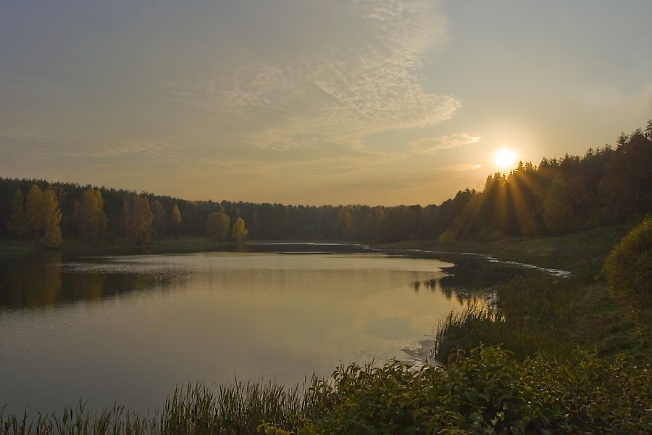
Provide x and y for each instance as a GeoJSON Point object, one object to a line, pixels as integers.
{"type": "Point", "coordinates": [487, 390]}
{"type": "Point", "coordinates": [629, 268]}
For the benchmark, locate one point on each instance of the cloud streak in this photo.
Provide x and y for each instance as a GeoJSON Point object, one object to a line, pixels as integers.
{"type": "Point", "coordinates": [462, 167]}
{"type": "Point", "coordinates": [361, 84]}
{"type": "Point", "coordinates": [430, 146]}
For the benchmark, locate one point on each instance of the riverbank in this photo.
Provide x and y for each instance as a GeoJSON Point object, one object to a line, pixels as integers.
{"type": "Point", "coordinates": [582, 253]}
{"type": "Point", "coordinates": [576, 252]}
{"type": "Point", "coordinates": [553, 315]}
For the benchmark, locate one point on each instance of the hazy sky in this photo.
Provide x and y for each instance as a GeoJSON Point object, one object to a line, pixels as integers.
{"type": "Point", "coordinates": [313, 101]}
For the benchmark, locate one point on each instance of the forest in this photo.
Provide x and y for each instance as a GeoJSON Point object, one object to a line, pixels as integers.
{"type": "Point", "coordinates": [608, 185]}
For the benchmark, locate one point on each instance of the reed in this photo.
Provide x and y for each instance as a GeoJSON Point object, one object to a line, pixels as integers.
{"type": "Point", "coordinates": [238, 408]}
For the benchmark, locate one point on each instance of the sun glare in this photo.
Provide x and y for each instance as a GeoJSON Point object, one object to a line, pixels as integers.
{"type": "Point", "coordinates": [505, 159]}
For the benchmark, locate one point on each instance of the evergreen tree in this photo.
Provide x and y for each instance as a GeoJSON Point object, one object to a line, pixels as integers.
{"type": "Point", "coordinates": [159, 221]}
{"type": "Point", "coordinates": [558, 208]}
{"type": "Point", "coordinates": [17, 225]}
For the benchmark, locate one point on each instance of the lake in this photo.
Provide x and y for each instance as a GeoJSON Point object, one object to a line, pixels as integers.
{"type": "Point", "coordinates": [127, 330]}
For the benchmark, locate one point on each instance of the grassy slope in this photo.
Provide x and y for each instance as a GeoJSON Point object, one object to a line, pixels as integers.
{"type": "Point", "coordinates": [550, 314]}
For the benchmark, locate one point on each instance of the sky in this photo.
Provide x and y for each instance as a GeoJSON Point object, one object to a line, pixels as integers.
{"type": "Point", "coordinates": [313, 102]}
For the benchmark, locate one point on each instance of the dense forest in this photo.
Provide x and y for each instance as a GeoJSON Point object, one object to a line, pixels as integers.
{"type": "Point", "coordinates": [607, 185]}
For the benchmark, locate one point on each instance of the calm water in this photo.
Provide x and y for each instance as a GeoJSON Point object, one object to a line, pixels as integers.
{"type": "Point", "coordinates": [129, 329]}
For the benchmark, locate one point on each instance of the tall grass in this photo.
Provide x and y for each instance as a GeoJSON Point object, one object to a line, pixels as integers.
{"type": "Point", "coordinates": [238, 408]}
{"type": "Point", "coordinates": [483, 325]}
{"type": "Point", "coordinates": [545, 314]}
{"type": "Point", "coordinates": [77, 421]}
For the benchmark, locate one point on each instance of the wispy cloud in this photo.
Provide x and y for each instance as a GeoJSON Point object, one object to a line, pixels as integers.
{"type": "Point", "coordinates": [462, 167]}
{"type": "Point", "coordinates": [365, 82]}
{"type": "Point", "coordinates": [155, 149]}
{"type": "Point", "coordinates": [429, 146]}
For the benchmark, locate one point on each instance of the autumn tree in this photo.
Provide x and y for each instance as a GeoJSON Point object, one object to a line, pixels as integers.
{"type": "Point", "coordinates": [238, 231]}
{"type": "Point", "coordinates": [51, 220]}
{"type": "Point", "coordinates": [136, 219]}
{"type": "Point", "coordinates": [217, 225]}
{"type": "Point", "coordinates": [34, 211]}
{"type": "Point", "coordinates": [143, 217]}
{"type": "Point", "coordinates": [17, 224]}
{"type": "Point", "coordinates": [89, 217]}
{"type": "Point", "coordinates": [175, 217]}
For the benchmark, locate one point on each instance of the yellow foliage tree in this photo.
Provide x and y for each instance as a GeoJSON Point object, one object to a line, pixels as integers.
{"type": "Point", "coordinates": [217, 225]}
{"type": "Point", "coordinates": [175, 217]}
{"type": "Point", "coordinates": [51, 220]}
{"type": "Point", "coordinates": [89, 217]}
{"type": "Point", "coordinates": [238, 231]}
{"type": "Point", "coordinates": [143, 217]}
{"type": "Point", "coordinates": [34, 212]}
{"type": "Point", "coordinates": [136, 219]}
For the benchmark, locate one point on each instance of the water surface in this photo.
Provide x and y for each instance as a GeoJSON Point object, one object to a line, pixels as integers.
{"type": "Point", "coordinates": [129, 329]}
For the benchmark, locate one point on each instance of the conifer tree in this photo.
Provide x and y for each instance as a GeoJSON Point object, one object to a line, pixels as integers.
{"type": "Point", "coordinates": [17, 225]}
{"type": "Point", "coordinates": [159, 221]}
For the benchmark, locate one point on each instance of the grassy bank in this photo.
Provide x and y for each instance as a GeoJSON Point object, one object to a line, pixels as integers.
{"type": "Point", "coordinates": [486, 390]}
{"type": "Point", "coordinates": [582, 253]}
{"type": "Point", "coordinates": [548, 314]}
{"type": "Point", "coordinates": [73, 246]}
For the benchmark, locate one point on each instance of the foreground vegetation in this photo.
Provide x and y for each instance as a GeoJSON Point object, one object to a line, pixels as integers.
{"type": "Point", "coordinates": [485, 390]}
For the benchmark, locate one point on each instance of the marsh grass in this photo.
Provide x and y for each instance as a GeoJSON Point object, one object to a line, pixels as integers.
{"type": "Point", "coordinates": [238, 408]}
{"type": "Point", "coordinates": [545, 314]}
{"type": "Point", "coordinates": [481, 325]}
{"type": "Point", "coordinates": [77, 421]}
{"type": "Point", "coordinates": [235, 408]}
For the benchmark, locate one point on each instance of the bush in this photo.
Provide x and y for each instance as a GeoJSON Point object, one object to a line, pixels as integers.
{"type": "Point", "coordinates": [487, 390]}
{"type": "Point", "coordinates": [629, 268]}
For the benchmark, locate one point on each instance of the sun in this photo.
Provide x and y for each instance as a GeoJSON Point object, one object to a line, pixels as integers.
{"type": "Point", "coordinates": [505, 158]}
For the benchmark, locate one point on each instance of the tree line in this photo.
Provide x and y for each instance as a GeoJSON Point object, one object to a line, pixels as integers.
{"type": "Point", "coordinates": [608, 185]}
